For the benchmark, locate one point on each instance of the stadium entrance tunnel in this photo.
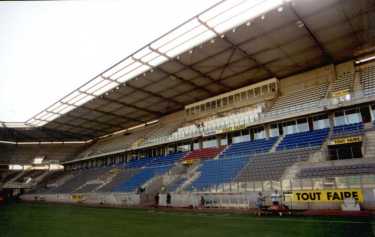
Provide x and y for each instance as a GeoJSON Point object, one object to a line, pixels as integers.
{"type": "Point", "coordinates": [345, 151]}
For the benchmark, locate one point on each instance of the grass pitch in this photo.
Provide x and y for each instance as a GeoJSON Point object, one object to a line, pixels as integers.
{"type": "Point", "coordinates": [39, 220]}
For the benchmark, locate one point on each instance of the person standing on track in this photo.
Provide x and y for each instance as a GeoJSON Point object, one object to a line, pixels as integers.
{"type": "Point", "coordinates": [275, 198]}
{"type": "Point", "coordinates": [260, 203]}
{"type": "Point", "coordinates": [156, 200]}
{"type": "Point", "coordinates": [169, 199]}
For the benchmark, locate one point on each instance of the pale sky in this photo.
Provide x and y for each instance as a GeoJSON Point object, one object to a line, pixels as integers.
{"type": "Point", "coordinates": [48, 49]}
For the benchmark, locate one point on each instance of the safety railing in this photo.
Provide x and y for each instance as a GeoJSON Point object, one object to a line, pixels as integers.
{"type": "Point", "coordinates": [340, 182]}
{"type": "Point", "coordinates": [354, 98]}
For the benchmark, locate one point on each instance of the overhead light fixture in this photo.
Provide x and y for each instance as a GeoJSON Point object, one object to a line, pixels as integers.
{"type": "Point", "coordinates": [248, 23]}
{"type": "Point", "coordinates": [280, 9]}
{"type": "Point", "coordinates": [234, 13]}
{"type": "Point", "coordinates": [365, 59]}
{"type": "Point", "coordinates": [300, 24]}
{"type": "Point", "coordinates": [263, 17]}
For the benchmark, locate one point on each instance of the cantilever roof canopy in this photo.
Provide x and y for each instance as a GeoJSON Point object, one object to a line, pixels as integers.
{"type": "Point", "coordinates": [232, 44]}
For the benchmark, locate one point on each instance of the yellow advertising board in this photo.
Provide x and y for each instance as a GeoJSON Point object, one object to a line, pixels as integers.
{"type": "Point", "coordinates": [340, 93]}
{"type": "Point", "coordinates": [346, 140]}
{"type": "Point", "coordinates": [240, 127]}
{"type": "Point", "coordinates": [188, 162]}
{"type": "Point", "coordinates": [332, 195]}
{"type": "Point", "coordinates": [77, 197]}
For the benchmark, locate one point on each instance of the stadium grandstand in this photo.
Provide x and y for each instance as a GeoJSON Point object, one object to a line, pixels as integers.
{"type": "Point", "coordinates": [245, 97]}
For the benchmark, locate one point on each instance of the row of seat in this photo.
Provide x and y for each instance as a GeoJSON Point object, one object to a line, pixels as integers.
{"type": "Point", "coordinates": [347, 130]}
{"type": "Point", "coordinates": [304, 139]}
{"type": "Point", "coordinates": [334, 171]}
{"type": "Point", "coordinates": [78, 179]}
{"type": "Point", "coordinates": [257, 167]}
{"type": "Point", "coordinates": [154, 161]}
{"type": "Point", "coordinates": [272, 166]}
{"type": "Point", "coordinates": [300, 99]}
{"type": "Point", "coordinates": [141, 178]}
{"type": "Point", "coordinates": [344, 80]}
{"type": "Point", "coordinates": [204, 153]}
{"type": "Point", "coordinates": [213, 172]}
{"type": "Point", "coordinates": [367, 79]}
{"type": "Point", "coordinates": [248, 147]}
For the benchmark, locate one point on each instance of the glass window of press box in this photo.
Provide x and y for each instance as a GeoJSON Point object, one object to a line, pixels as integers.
{"type": "Point", "coordinates": [274, 130]}
{"type": "Point", "coordinates": [349, 116]}
{"type": "Point", "coordinates": [302, 125]}
{"type": "Point", "coordinates": [289, 127]}
{"type": "Point", "coordinates": [231, 99]}
{"type": "Point", "coordinates": [259, 133]}
{"type": "Point", "coordinates": [210, 142]}
{"type": "Point", "coordinates": [320, 121]}
{"type": "Point", "coordinates": [241, 136]}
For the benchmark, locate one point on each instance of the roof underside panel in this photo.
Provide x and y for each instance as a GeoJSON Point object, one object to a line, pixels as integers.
{"type": "Point", "coordinates": [304, 35]}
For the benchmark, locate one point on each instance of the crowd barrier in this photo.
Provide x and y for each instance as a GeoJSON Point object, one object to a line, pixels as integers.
{"type": "Point", "coordinates": [237, 195]}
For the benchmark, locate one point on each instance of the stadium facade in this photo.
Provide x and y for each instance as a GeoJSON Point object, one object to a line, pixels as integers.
{"type": "Point", "coordinates": [247, 96]}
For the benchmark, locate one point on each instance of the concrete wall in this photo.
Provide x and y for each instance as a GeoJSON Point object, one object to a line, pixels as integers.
{"type": "Point", "coordinates": [214, 200]}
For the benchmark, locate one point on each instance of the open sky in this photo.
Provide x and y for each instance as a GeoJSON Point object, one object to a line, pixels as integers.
{"type": "Point", "coordinates": [49, 48]}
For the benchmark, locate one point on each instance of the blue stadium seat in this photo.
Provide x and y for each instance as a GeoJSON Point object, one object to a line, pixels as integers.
{"type": "Point", "coordinates": [347, 130]}
{"type": "Point", "coordinates": [155, 161]}
{"type": "Point", "coordinates": [142, 177]}
{"type": "Point", "coordinates": [313, 138]}
{"type": "Point", "coordinates": [150, 167]}
{"type": "Point", "coordinates": [218, 171]}
{"type": "Point", "coordinates": [249, 147]}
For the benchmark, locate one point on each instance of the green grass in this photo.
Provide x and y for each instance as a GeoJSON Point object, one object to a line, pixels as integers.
{"type": "Point", "coordinates": [22, 219]}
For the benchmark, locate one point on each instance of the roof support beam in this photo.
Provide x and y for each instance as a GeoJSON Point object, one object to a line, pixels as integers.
{"type": "Point", "coordinates": [88, 120]}
{"type": "Point", "coordinates": [178, 77]}
{"type": "Point", "coordinates": [325, 53]}
{"type": "Point", "coordinates": [125, 104]}
{"type": "Point", "coordinates": [259, 64]}
{"type": "Point", "coordinates": [100, 111]}
{"type": "Point", "coordinates": [226, 65]}
{"type": "Point", "coordinates": [80, 127]}
{"type": "Point", "coordinates": [16, 133]}
{"type": "Point", "coordinates": [226, 87]}
{"type": "Point", "coordinates": [155, 95]}
{"type": "Point", "coordinates": [113, 114]}
{"type": "Point", "coordinates": [103, 112]}
{"type": "Point", "coordinates": [133, 106]}
{"type": "Point", "coordinates": [64, 135]}
{"type": "Point", "coordinates": [217, 82]}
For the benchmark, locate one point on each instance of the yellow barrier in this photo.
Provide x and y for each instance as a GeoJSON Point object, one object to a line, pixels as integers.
{"type": "Point", "coordinates": [333, 195]}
